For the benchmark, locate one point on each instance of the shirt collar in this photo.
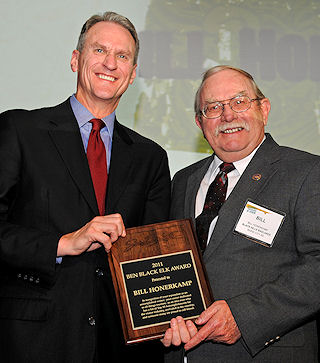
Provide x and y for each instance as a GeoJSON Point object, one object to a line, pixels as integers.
{"type": "Point", "coordinates": [239, 165]}
{"type": "Point", "coordinates": [83, 115]}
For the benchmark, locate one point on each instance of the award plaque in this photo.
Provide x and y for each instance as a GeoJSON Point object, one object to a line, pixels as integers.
{"type": "Point", "coordinates": [158, 274]}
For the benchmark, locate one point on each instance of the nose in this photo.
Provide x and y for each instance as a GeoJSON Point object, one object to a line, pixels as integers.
{"type": "Point", "coordinates": [227, 114]}
{"type": "Point", "coordinates": [110, 61]}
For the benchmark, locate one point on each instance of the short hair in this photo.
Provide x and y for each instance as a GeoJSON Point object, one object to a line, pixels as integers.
{"type": "Point", "coordinates": [111, 17]}
{"type": "Point", "coordinates": [217, 69]}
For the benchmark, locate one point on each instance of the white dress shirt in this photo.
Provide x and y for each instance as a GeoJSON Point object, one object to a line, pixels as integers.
{"type": "Point", "coordinates": [212, 172]}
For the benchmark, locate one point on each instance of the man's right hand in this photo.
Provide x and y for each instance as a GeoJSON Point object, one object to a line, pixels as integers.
{"type": "Point", "coordinates": [100, 231]}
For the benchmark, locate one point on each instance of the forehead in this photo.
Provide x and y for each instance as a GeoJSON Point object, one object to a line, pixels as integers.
{"type": "Point", "coordinates": [225, 85]}
{"type": "Point", "coordinates": [110, 34]}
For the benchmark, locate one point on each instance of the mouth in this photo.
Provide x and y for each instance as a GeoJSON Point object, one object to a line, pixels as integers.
{"type": "Point", "coordinates": [106, 77]}
{"type": "Point", "coordinates": [231, 131]}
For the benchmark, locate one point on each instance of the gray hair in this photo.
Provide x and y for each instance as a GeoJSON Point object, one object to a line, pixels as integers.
{"type": "Point", "coordinates": [112, 17]}
{"type": "Point", "coordinates": [217, 69]}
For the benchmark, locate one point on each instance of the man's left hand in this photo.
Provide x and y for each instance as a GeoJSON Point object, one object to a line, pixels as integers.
{"type": "Point", "coordinates": [218, 325]}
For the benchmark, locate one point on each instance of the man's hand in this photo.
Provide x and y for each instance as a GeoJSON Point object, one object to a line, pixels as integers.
{"type": "Point", "coordinates": [100, 231]}
{"type": "Point", "coordinates": [218, 325]}
{"type": "Point", "coordinates": [179, 332]}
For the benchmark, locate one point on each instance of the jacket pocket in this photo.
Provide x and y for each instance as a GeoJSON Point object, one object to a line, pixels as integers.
{"type": "Point", "coordinates": [23, 309]}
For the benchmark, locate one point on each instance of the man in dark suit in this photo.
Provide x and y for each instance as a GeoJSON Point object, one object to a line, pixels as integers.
{"type": "Point", "coordinates": [57, 302]}
{"type": "Point", "coordinates": [263, 246]}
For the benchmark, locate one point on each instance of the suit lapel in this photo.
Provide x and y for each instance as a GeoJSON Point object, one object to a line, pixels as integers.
{"type": "Point", "coordinates": [121, 164]}
{"type": "Point", "coordinates": [65, 134]}
{"type": "Point", "coordinates": [193, 185]}
{"type": "Point", "coordinates": [248, 187]}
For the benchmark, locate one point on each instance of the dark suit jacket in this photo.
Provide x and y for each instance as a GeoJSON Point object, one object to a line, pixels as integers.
{"type": "Point", "coordinates": [273, 293]}
{"type": "Point", "coordinates": [59, 313]}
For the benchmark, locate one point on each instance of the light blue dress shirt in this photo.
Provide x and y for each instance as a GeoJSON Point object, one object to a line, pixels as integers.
{"type": "Point", "coordinates": [83, 116]}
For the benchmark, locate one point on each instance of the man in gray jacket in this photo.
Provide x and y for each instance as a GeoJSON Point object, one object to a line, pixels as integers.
{"type": "Point", "coordinates": [262, 250]}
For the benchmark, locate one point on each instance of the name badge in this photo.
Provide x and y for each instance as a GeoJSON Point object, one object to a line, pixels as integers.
{"type": "Point", "coordinates": [259, 223]}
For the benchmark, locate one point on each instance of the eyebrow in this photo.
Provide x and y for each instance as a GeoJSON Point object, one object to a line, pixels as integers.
{"type": "Point", "coordinates": [241, 93]}
{"type": "Point", "coordinates": [119, 51]}
{"type": "Point", "coordinates": [98, 45]}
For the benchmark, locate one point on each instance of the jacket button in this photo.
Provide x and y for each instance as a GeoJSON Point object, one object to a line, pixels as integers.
{"type": "Point", "coordinates": [99, 272]}
{"type": "Point", "coordinates": [92, 321]}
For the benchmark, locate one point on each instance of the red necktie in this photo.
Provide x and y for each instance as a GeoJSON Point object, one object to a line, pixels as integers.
{"type": "Point", "coordinates": [96, 154]}
{"type": "Point", "coordinates": [215, 197]}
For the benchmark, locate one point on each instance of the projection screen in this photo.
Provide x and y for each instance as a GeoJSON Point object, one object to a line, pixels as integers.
{"type": "Point", "coordinates": [276, 41]}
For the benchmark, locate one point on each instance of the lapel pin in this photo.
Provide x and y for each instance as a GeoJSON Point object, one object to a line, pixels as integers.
{"type": "Point", "coordinates": [256, 176]}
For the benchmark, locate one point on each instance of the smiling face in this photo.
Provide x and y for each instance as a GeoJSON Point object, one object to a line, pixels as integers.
{"type": "Point", "coordinates": [232, 136]}
{"type": "Point", "coordinates": [105, 67]}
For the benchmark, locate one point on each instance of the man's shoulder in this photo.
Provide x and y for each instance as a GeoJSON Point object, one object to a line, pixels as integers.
{"type": "Point", "coordinates": [294, 154]}
{"type": "Point", "coordinates": [297, 160]}
{"type": "Point", "coordinates": [24, 116]}
{"type": "Point", "coordinates": [193, 168]}
{"type": "Point", "coordinates": [288, 157]}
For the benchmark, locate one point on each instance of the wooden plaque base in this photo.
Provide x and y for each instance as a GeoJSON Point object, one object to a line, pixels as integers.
{"type": "Point", "coordinates": [158, 274]}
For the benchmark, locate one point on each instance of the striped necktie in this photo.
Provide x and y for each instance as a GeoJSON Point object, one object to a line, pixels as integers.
{"type": "Point", "coordinates": [215, 197]}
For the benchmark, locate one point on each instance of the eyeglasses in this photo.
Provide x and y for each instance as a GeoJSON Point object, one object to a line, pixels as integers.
{"type": "Point", "coordinates": [237, 104]}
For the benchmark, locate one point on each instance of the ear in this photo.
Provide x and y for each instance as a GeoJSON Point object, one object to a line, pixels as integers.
{"type": "Point", "coordinates": [265, 107]}
{"type": "Point", "coordinates": [133, 74]}
{"type": "Point", "coordinates": [74, 60]}
{"type": "Point", "coordinates": [198, 121]}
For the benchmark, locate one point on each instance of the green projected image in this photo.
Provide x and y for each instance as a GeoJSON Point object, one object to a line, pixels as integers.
{"type": "Point", "coordinates": [278, 42]}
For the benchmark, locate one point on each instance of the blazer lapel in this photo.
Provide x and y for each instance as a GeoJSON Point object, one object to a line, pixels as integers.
{"type": "Point", "coordinates": [121, 164]}
{"type": "Point", "coordinates": [263, 165]}
{"type": "Point", "coordinates": [193, 185]}
{"type": "Point", "coordinates": [65, 134]}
